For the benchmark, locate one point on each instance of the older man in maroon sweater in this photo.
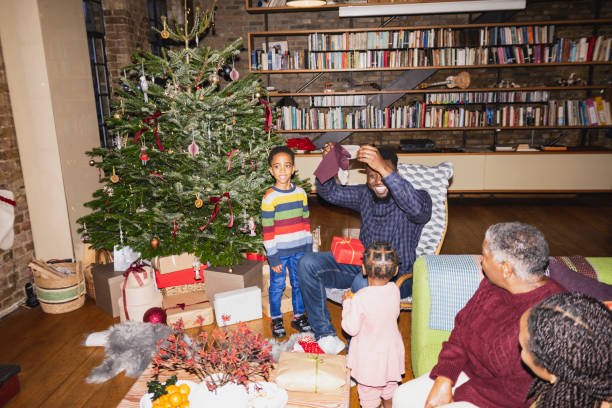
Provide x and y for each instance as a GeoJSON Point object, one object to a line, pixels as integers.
{"type": "Point", "coordinates": [480, 364]}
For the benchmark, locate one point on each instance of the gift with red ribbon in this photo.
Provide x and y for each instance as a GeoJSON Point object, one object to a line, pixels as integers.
{"type": "Point", "coordinates": [180, 277]}
{"type": "Point", "coordinates": [347, 250]}
{"type": "Point", "coordinates": [138, 293]}
{"type": "Point", "coordinates": [193, 307]}
{"type": "Point", "coordinates": [216, 201]}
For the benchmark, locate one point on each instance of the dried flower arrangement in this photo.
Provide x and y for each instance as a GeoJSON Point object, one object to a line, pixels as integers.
{"type": "Point", "coordinates": [223, 356]}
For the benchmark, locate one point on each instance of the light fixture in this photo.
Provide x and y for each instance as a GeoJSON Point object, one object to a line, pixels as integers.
{"type": "Point", "coordinates": [431, 8]}
{"type": "Point", "coordinates": [306, 3]}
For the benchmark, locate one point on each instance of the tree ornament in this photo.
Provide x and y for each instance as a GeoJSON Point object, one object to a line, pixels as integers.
{"type": "Point", "coordinates": [193, 147]}
{"type": "Point", "coordinates": [144, 86]}
{"type": "Point", "coordinates": [92, 163]}
{"type": "Point", "coordinates": [234, 75]}
{"type": "Point", "coordinates": [227, 70]}
{"type": "Point", "coordinates": [144, 157]}
{"type": "Point", "coordinates": [141, 208]}
{"type": "Point", "coordinates": [117, 115]}
{"type": "Point", "coordinates": [165, 34]}
{"type": "Point", "coordinates": [201, 97]}
{"type": "Point", "coordinates": [208, 189]}
{"type": "Point", "coordinates": [155, 315]}
{"type": "Point", "coordinates": [257, 95]}
{"type": "Point", "coordinates": [114, 178]}
{"type": "Point", "coordinates": [108, 190]}
{"type": "Point", "coordinates": [154, 243]}
{"type": "Point", "coordinates": [198, 202]}
{"type": "Point", "coordinates": [85, 237]}
{"type": "Point", "coordinates": [213, 78]}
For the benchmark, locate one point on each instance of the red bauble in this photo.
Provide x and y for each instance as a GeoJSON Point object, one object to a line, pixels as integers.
{"type": "Point", "coordinates": [155, 315]}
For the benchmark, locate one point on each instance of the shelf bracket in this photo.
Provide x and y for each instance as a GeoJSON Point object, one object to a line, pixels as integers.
{"type": "Point", "coordinates": [408, 80]}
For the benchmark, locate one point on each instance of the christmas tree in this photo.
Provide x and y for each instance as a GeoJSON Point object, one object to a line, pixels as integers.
{"type": "Point", "coordinates": [189, 164]}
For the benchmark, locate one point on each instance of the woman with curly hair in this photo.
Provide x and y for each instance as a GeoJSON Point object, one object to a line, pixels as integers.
{"type": "Point", "coordinates": [566, 341]}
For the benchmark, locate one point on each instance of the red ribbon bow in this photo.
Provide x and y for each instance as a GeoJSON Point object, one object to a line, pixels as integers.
{"type": "Point", "coordinates": [229, 159]}
{"type": "Point", "coordinates": [216, 201]}
{"type": "Point", "coordinates": [182, 306]}
{"type": "Point", "coordinates": [135, 268]}
{"type": "Point", "coordinates": [147, 121]}
{"type": "Point", "coordinates": [268, 122]}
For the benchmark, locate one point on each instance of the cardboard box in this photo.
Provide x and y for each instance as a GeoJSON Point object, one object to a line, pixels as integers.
{"type": "Point", "coordinates": [347, 250]}
{"type": "Point", "coordinates": [224, 278]}
{"type": "Point", "coordinates": [107, 284]}
{"type": "Point", "coordinates": [286, 305]}
{"type": "Point", "coordinates": [188, 306]}
{"type": "Point", "coordinates": [240, 305]}
{"type": "Point", "coordinates": [173, 263]}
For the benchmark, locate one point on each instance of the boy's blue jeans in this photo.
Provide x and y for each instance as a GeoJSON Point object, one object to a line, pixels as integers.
{"type": "Point", "coordinates": [277, 286]}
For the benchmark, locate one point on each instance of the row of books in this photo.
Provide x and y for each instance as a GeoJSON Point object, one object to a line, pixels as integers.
{"type": "Point", "coordinates": [487, 97]}
{"type": "Point", "coordinates": [421, 115]}
{"type": "Point", "coordinates": [431, 38]}
{"type": "Point", "coordinates": [561, 51]}
{"type": "Point", "coordinates": [338, 100]}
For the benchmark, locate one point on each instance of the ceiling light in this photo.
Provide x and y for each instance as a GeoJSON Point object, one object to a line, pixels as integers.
{"type": "Point", "coordinates": [306, 3]}
{"type": "Point", "coordinates": [431, 8]}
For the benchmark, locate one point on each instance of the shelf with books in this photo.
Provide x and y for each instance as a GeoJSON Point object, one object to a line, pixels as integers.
{"type": "Point", "coordinates": [426, 47]}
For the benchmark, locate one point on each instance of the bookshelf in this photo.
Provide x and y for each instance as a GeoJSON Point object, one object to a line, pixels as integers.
{"type": "Point", "coordinates": [470, 47]}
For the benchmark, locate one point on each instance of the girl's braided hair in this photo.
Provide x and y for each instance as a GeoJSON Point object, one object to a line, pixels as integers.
{"type": "Point", "coordinates": [380, 261]}
{"type": "Point", "coordinates": [570, 334]}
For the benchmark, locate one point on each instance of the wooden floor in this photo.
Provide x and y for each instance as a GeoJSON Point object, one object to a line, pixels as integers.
{"type": "Point", "coordinates": [53, 362]}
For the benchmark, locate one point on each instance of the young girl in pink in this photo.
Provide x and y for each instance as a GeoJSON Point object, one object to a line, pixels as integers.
{"type": "Point", "coordinates": [376, 352]}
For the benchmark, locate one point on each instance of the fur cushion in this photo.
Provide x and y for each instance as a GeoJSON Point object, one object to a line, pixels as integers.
{"type": "Point", "coordinates": [129, 347]}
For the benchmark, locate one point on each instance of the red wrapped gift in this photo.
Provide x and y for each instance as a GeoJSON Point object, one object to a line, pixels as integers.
{"type": "Point", "coordinates": [182, 277]}
{"type": "Point", "coordinates": [347, 250]}
{"type": "Point", "coordinates": [255, 256]}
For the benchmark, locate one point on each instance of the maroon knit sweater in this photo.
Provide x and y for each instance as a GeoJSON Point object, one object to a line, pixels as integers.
{"type": "Point", "coordinates": [484, 345]}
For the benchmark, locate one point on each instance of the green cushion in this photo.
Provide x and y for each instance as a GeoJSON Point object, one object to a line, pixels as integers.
{"type": "Point", "coordinates": [425, 343]}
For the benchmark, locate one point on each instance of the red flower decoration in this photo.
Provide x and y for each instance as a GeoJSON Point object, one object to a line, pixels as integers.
{"type": "Point", "coordinates": [226, 318]}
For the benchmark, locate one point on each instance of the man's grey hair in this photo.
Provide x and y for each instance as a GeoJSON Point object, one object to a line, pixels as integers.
{"type": "Point", "coordinates": [522, 246]}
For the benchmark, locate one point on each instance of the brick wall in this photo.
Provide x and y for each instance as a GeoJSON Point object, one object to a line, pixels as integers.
{"type": "Point", "coordinates": [14, 273]}
{"type": "Point", "coordinates": [126, 26]}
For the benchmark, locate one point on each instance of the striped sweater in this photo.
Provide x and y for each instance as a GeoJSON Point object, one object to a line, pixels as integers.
{"type": "Point", "coordinates": [286, 224]}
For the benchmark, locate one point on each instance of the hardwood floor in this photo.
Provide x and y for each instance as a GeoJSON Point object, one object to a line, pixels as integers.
{"type": "Point", "coordinates": [53, 362]}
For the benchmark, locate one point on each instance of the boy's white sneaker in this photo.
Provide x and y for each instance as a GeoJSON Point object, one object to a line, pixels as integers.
{"type": "Point", "coordinates": [331, 344]}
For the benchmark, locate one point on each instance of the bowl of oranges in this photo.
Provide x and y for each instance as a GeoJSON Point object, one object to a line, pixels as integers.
{"type": "Point", "coordinates": [172, 394]}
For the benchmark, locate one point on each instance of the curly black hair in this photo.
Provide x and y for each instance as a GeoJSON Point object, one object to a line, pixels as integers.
{"type": "Point", "coordinates": [281, 149]}
{"type": "Point", "coordinates": [570, 334]}
{"type": "Point", "coordinates": [380, 261]}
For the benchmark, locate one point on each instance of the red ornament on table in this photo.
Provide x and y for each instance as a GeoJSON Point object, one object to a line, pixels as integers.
{"type": "Point", "coordinates": [155, 315]}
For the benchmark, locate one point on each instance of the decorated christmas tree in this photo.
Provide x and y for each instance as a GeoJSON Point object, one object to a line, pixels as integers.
{"type": "Point", "coordinates": [189, 165]}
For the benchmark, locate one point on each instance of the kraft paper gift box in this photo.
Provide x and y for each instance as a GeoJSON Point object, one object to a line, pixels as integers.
{"type": "Point", "coordinates": [173, 263]}
{"type": "Point", "coordinates": [347, 250]}
{"type": "Point", "coordinates": [107, 286]}
{"type": "Point", "coordinates": [223, 278]}
{"type": "Point", "coordinates": [240, 305]}
{"type": "Point", "coordinates": [318, 373]}
{"type": "Point", "coordinates": [189, 307]}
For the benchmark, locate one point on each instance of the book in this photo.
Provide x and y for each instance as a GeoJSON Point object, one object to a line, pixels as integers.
{"type": "Point", "coordinates": [524, 147]}
{"type": "Point", "coordinates": [553, 147]}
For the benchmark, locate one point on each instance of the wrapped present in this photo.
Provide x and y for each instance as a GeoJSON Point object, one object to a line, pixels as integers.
{"type": "Point", "coordinates": [224, 278]}
{"type": "Point", "coordinates": [138, 293]}
{"type": "Point", "coordinates": [286, 305]}
{"type": "Point", "coordinates": [107, 287]}
{"type": "Point", "coordinates": [255, 256]}
{"type": "Point", "coordinates": [318, 373]}
{"type": "Point", "coordinates": [173, 263]}
{"type": "Point", "coordinates": [182, 277]}
{"type": "Point", "coordinates": [310, 345]}
{"type": "Point", "coordinates": [190, 307]}
{"type": "Point", "coordinates": [347, 250]}
{"type": "Point", "coordinates": [240, 305]}
{"type": "Point", "coordinates": [265, 278]}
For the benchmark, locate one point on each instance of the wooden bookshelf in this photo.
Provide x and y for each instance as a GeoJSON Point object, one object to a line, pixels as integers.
{"type": "Point", "coordinates": [437, 129]}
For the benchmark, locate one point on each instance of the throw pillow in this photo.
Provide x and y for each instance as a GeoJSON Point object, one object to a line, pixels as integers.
{"type": "Point", "coordinates": [573, 281]}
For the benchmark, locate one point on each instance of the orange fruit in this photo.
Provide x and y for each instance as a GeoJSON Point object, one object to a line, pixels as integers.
{"type": "Point", "coordinates": [163, 399]}
{"type": "Point", "coordinates": [172, 389]}
{"type": "Point", "coordinates": [175, 399]}
{"type": "Point", "coordinates": [184, 405]}
{"type": "Point", "coordinates": [185, 397]}
{"type": "Point", "coordinates": [184, 389]}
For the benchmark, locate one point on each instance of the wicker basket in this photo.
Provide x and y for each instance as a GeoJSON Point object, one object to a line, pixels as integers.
{"type": "Point", "coordinates": [56, 292]}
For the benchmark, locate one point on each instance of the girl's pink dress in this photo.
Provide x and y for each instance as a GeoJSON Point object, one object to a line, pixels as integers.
{"type": "Point", "coordinates": [376, 352]}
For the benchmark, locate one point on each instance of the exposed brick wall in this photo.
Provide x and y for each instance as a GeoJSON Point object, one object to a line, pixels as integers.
{"type": "Point", "coordinates": [126, 26]}
{"type": "Point", "coordinates": [14, 272]}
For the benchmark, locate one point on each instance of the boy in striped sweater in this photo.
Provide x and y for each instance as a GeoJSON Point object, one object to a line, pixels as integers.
{"type": "Point", "coordinates": [286, 235]}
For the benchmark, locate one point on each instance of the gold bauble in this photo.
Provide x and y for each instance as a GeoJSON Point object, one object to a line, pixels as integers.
{"type": "Point", "coordinates": [198, 203]}
{"type": "Point", "coordinates": [114, 178]}
{"type": "Point", "coordinates": [117, 116]}
{"type": "Point", "coordinates": [154, 243]}
{"type": "Point", "coordinates": [165, 34]}
{"type": "Point", "coordinates": [213, 78]}
{"type": "Point", "coordinates": [201, 97]}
